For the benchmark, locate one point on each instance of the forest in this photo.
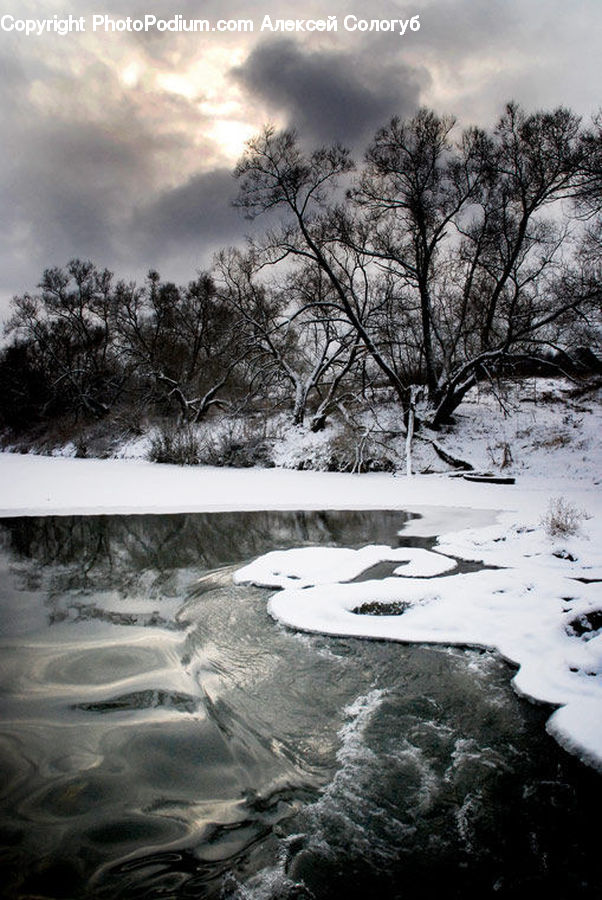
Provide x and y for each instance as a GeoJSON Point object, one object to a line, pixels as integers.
{"type": "Point", "coordinates": [445, 259]}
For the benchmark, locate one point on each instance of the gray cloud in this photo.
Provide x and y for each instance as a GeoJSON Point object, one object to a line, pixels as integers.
{"type": "Point", "coordinates": [129, 174]}
{"type": "Point", "coordinates": [196, 214]}
{"type": "Point", "coordinates": [330, 95]}
{"type": "Point", "coordinates": [77, 159]}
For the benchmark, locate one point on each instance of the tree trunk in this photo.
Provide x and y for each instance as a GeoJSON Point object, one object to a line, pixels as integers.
{"type": "Point", "coordinates": [452, 398]}
{"type": "Point", "coordinates": [411, 417]}
{"type": "Point", "coordinates": [300, 403]}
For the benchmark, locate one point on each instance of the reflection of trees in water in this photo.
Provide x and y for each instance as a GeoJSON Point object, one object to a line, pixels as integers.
{"type": "Point", "coordinates": [112, 552]}
{"type": "Point", "coordinates": [165, 542]}
{"type": "Point", "coordinates": [85, 612]}
{"type": "Point", "coordinates": [77, 561]}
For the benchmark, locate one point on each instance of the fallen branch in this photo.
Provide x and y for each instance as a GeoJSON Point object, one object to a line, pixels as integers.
{"type": "Point", "coordinates": [453, 461]}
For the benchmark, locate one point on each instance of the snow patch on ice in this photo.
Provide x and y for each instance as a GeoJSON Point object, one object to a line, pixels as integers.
{"type": "Point", "coordinates": [526, 608]}
{"type": "Point", "coordinates": [309, 566]}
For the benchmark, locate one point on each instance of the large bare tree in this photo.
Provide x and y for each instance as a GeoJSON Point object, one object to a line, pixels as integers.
{"type": "Point", "coordinates": [450, 257]}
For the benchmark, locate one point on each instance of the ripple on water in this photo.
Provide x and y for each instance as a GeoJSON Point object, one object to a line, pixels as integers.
{"type": "Point", "coordinates": [104, 665]}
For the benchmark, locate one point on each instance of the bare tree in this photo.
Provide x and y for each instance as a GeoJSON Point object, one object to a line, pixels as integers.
{"type": "Point", "coordinates": [292, 332]}
{"type": "Point", "coordinates": [69, 327]}
{"type": "Point", "coordinates": [462, 228]}
{"type": "Point", "coordinates": [412, 190]}
{"type": "Point", "coordinates": [276, 173]}
{"type": "Point", "coordinates": [183, 340]}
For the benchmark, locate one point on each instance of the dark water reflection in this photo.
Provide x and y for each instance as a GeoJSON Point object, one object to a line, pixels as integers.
{"type": "Point", "coordinates": [161, 737]}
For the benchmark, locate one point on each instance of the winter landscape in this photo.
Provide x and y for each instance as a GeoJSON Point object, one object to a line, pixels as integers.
{"type": "Point", "coordinates": [300, 470]}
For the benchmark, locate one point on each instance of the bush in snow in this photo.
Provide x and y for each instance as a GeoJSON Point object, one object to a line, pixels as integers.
{"type": "Point", "coordinates": [179, 446]}
{"type": "Point", "coordinates": [239, 443]}
{"type": "Point", "coordinates": [562, 518]}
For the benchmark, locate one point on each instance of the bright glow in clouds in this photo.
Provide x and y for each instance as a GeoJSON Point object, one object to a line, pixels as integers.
{"type": "Point", "coordinates": [205, 83]}
{"type": "Point", "coordinates": [231, 136]}
{"type": "Point", "coordinates": [130, 75]}
{"type": "Point", "coordinates": [177, 84]}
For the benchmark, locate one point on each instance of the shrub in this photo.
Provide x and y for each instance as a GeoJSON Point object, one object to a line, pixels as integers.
{"type": "Point", "coordinates": [175, 445]}
{"type": "Point", "coordinates": [241, 445]}
{"type": "Point", "coordinates": [562, 518]}
{"type": "Point", "coordinates": [354, 450]}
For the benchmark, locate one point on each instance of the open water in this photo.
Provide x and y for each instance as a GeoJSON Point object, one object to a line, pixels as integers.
{"type": "Point", "coordinates": [162, 737]}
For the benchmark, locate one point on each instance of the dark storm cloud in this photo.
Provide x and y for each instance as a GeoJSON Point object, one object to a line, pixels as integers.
{"type": "Point", "coordinates": [330, 95]}
{"type": "Point", "coordinates": [75, 160]}
{"type": "Point", "coordinates": [66, 186]}
{"type": "Point", "coordinates": [198, 213]}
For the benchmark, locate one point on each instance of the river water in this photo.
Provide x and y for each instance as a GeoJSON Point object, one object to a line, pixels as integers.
{"type": "Point", "coordinates": [162, 737]}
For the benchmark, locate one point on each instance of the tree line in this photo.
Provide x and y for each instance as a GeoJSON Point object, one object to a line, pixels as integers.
{"type": "Point", "coordinates": [443, 259]}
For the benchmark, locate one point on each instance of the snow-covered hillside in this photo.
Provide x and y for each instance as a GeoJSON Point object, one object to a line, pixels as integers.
{"type": "Point", "coordinates": [536, 426]}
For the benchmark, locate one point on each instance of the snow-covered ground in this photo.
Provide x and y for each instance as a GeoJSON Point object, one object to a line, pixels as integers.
{"type": "Point", "coordinates": [531, 426]}
{"type": "Point", "coordinates": [541, 606]}
{"type": "Point", "coordinates": [43, 485]}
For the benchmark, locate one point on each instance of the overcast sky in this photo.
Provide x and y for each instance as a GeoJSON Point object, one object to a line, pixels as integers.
{"type": "Point", "coordinates": [119, 147]}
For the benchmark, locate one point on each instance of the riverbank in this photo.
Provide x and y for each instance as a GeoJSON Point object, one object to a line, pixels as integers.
{"type": "Point", "coordinates": [544, 427]}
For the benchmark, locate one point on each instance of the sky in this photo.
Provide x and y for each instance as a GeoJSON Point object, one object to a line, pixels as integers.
{"type": "Point", "coordinates": [119, 146]}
